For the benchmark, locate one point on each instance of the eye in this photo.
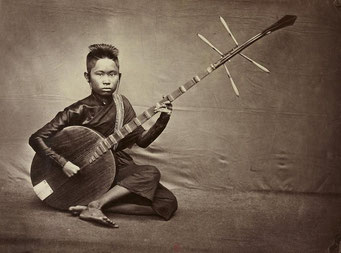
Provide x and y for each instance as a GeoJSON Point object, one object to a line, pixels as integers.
{"type": "Point", "coordinates": [113, 74]}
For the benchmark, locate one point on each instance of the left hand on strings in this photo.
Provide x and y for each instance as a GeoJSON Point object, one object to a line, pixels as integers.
{"type": "Point", "coordinates": [165, 107]}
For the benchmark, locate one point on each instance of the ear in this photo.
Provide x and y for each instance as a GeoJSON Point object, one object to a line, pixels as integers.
{"type": "Point", "coordinates": [87, 76]}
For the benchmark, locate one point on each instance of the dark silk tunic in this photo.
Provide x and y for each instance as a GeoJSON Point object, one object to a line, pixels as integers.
{"type": "Point", "coordinates": [99, 114]}
{"type": "Point", "coordinates": [94, 112]}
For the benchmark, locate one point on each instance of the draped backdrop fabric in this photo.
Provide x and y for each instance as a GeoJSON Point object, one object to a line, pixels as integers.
{"type": "Point", "coordinates": [281, 134]}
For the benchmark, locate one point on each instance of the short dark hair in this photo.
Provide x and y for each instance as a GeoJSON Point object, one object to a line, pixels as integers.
{"type": "Point", "coordinates": [100, 51]}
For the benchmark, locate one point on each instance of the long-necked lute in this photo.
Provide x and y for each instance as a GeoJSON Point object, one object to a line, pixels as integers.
{"type": "Point", "coordinates": [91, 151]}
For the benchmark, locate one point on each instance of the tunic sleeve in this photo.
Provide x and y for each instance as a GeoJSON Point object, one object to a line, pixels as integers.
{"type": "Point", "coordinates": [129, 115]}
{"type": "Point", "coordinates": [38, 140]}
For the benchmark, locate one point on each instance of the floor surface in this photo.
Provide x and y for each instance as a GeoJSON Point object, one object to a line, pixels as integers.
{"type": "Point", "coordinates": [207, 221]}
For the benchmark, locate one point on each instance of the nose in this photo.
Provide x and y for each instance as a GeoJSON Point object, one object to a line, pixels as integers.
{"type": "Point", "coordinates": [106, 79]}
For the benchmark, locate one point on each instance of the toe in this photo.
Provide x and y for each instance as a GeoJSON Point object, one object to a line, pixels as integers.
{"type": "Point", "coordinates": [77, 208]}
{"type": "Point", "coordinates": [110, 222]}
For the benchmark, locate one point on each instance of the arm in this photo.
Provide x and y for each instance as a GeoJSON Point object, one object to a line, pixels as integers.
{"type": "Point", "coordinates": [38, 141]}
{"type": "Point", "coordinates": [147, 137]}
{"type": "Point", "coordinates": [140, 136]}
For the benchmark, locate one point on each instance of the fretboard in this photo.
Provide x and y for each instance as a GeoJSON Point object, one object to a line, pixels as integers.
{"type": "Point", "coordinates": [113, 139]}
{"type": "Point", "coordinates": [107, 143]}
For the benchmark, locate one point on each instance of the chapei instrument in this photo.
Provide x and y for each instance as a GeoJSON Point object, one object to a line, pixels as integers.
{"type": "Point", "coordinates": [89, 150]}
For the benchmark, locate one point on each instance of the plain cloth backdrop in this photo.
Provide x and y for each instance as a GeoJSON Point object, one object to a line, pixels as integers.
{"type": "Point", "coordinates": [236, 165]}
{"type": "Point", "coordinates": [281, 134]}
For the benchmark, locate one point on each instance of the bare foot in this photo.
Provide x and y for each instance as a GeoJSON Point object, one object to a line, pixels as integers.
{"type": "Point", "coordinates": [92, 213]}
{"type": "Point", "coordinates": [96, 215]}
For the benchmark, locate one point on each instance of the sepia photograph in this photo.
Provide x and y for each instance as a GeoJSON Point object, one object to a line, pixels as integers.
{"type": "Point", "coordinates": [170, 126]}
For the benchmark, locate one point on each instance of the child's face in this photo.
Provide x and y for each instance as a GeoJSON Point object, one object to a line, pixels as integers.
{"type": "Point", "coordinates": [104, 77]}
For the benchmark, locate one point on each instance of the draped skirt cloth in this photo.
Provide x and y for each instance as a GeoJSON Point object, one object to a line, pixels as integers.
{"type": "Point", "coordinates": [143, 181]}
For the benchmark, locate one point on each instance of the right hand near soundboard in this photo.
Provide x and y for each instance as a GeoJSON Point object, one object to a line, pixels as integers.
{"type": "Point", "coordinates": [70, 169]}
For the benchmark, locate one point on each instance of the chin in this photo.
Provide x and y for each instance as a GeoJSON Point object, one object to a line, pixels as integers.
{"type": "Point", "coordinates": [106, 93]}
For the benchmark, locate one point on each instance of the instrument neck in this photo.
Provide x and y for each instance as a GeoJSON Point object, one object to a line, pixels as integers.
{"type": "Point", "coordinates": [113, 139]}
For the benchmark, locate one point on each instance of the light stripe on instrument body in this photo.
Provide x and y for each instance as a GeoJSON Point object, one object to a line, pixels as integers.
{"type": "Point", "coordinates": [102, 147]}
{"type": "Point", "coordinates": [96, 155]}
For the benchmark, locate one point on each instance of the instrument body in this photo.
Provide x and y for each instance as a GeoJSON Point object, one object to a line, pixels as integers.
{"type": "Point", "coordinates": [76, 144]}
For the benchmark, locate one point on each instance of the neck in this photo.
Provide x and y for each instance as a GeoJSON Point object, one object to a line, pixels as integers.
{"type": "Point", "coordinates": [103, 99]}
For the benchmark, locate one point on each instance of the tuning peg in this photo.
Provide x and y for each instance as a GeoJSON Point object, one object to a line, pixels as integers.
{"type": "Point", "coordinates": [241, 54]}
{"type": "Point", "coordinates": [235, 89]}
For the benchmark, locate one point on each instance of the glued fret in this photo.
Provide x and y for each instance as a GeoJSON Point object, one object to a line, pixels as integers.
{"type": "Point", "coordinates": [103, 149]}
{"type": "Point", "coordinates": [170, 98]}
{"type": "Point", "coordinates": [96, 155]}
{"type": "Point", "coordinates": [147, 114]}
{"type": "Point", "coordinates": [137, 122]}
{"type": "Point", "coordinates": [196, 79]}
{"type": "Point", "coordinates": [112, 139]}
{"type": "Point", "coordinates": [99, 151]}
{"type": "Point", "coordinates": [182, 89]}
{"type": "Point", "coordinates": [210, 68]}
{"type": "Point", "coordinates": [120, 134]}
{"type": "Point", "coordinates": [127, 128]}
{"type": "Point", "coordinates": [106, 143]}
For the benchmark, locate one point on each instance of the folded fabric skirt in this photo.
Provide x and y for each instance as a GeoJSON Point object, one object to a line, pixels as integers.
{"type": "Point", "coordinates": [143, 181]}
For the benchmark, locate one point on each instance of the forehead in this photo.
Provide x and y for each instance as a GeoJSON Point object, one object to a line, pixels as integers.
{"type": "Point", "coordinates": [105, 64]}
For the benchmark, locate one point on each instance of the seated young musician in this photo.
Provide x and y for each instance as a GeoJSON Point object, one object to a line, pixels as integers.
{"type": "Point", "coordinates": [136, 188]}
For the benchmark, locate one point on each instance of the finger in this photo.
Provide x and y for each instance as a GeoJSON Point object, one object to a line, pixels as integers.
{"type": "Point", "coordinates": [169, 106]}
{"type": "Point", "coordinates": [166, 101]}
{"type": "Point", "coordinates": [166, 105]}
{"type": "Point", "coordinates": [164, 110]}
{"type": "Point", "coordinates": [75, 170]}
{"type": "Point", "coordinates": [160, 106]}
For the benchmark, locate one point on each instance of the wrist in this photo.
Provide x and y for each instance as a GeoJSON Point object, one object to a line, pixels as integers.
{"type": "Point", "coordinates": [63, 162]}
{"type": "Point", "coordinates": [163, 119]}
